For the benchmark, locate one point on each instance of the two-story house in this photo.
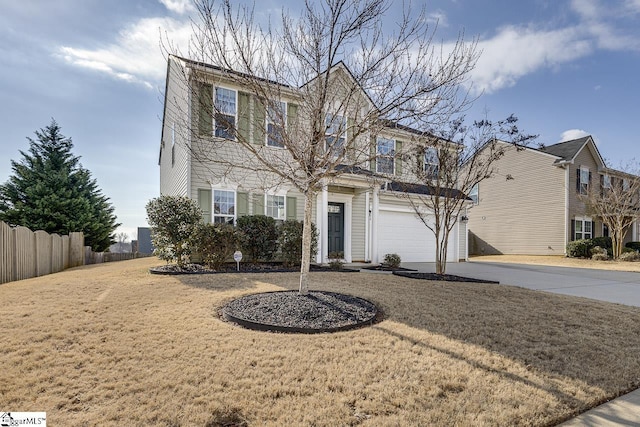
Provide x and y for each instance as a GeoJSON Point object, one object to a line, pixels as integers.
{"type": "Point", "coordinates": [358, 212]}
{"type": "Point", "coordinates": [532, 204]}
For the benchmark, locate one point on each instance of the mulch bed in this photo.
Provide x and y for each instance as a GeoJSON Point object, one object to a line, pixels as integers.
{"type": "Point", "coordinates": [445, 277]}
{"type": "Point", "coordinates": [383, 267]}
{"type": "Point", "coordinates": [267, 267]}
{"type": "Point", "coordinates": [289, 311]}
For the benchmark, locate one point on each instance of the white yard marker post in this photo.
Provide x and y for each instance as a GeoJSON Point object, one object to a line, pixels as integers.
{"type": "Point", "coordinates": [237, 256]}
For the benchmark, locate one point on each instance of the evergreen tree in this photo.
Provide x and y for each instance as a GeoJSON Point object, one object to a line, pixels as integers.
{"type": "Point", "coordinates": [51, 191]}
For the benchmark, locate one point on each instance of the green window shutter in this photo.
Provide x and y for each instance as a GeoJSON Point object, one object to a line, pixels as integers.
{"type": "Point", "coordinates": [398, 158]}
{"type": "Point", "coordinates": [373, 153]}
{"type": "Point", "coordinates": [292, 207]}
{"type": "Point", "coordinates": [243, 116]}
{"type": "Point", "coordinates": [258, 204]}
{"type": "Point", "coordinates": [292, 117]}
{"type": "Point", "coordinates": [242, 208]}
{"type": "Point", "coordinates": [205, 109]}
{"type": "Point", "coordinates": [351, 144]}
{"type": "Point", "coordinates": [259, 125]}
{"type": "Point", "coordinates": [204, 201]}
{"type": "Point", "coordinates": [573, 230]}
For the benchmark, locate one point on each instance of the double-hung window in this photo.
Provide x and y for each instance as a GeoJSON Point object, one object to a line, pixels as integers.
{"type": "Point", "coordinates": [275, 206]}
{"type": "Point", "coordinates": [474, 193]}
{"type": "Point", "coordinates": [583, 228]}
{"type": "Point", "coordinates": [385, 160]}
{"type": "Point", "coordinates": [224, 206]}
{"type": "Point", "coordinates": [626, 186]}
{"type": "Point", "coordinates": [335, 133]}
{"type": "Point", "coordinates": [583, 182]}
{"type": "Point", "coordinates": [431, 163]}
{"type": "Point", "coordinates": [606, 182]}
{"type": "Point", "coordinates": [225, 113]}
{"type": "Point", "coordinates": [276, 121]}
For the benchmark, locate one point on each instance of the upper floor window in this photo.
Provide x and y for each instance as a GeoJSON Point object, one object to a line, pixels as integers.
{"type": "Point", "coordinates": [474, 192]}
{"type": "Point", "coordinates": [626, 185]}
{"type": "Point", "coordinates": [225, 113]}
{"type": "Point", "coordinates": [276, 121]}
{"type": "Point", "coordinates": [335, 133]}
{"type": "Point", "coordinates": [606, 182]}
{"type": "Point", "coordinates": [385, 153]}
{"type": "Point", "coordinates": [431, 163]}
{"type": "Point", "coordinates": [224, 206]}
{"type": "Point", "coordinates": [275, 206]}
{"type": "Point", "coordinates": [584, 176]}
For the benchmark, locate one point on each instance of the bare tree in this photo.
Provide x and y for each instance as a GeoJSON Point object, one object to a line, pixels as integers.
{"type": "Point", "coordinates": [616, 201]}
{"type": "Point", "coordinates": [122, 238]}
{"type": "Point", "coordinates": [343, 76]}
{"type": "Point", "coordinates": [448, 173]}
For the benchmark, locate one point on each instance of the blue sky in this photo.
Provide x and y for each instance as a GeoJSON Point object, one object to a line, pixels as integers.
{"type": "Point", "coordinates": [565, 68]}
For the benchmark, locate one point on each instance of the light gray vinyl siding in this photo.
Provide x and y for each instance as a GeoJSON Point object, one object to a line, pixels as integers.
{"type": "Point", "coordinates": [576, 206]}
{"type": "Point", "coordinates": [175, 155]}
{"type": "Point", "coordinates": [521, 208]}
{"type": "Point", "coordinates": [358, 227]}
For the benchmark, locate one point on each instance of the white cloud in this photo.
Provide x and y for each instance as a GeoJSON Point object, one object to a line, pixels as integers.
{"type": "Point", "coordinates": [517, 51]}
{"type": "Point", "coordinates": [136, 56]}
{"type": "Point", "coordinates": [571, 134]}
{"type": "Point", "coordinates": [438, 17]}
{"type": "Point", "coordinates": [178, 6]}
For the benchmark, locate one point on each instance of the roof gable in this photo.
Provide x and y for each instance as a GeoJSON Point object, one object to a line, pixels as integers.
{"type": "Point", "coordinates": [567, 151]}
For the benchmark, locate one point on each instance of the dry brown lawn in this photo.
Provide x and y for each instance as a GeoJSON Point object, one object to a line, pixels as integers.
{"type": "Point", "coordinates": [560, 261]}
{"type": "Point", "coordinates": [113, 345]}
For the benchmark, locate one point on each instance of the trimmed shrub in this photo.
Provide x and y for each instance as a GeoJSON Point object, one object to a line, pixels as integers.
{"type": "Point", "coordinates": [392, 260]}
{"type": "Point", "coordinates": [603, 242]}
{"type": "Point", "coordinates": [625, 250]}
{"type": "Point", "coordinates": [630, 256]}
{"type": "Point", "coordinates": [215, 243]}
{"type": "Point", "coordinates": [290, 241]}
{"type": "Point", "coordinates": [580, 248]}
{"type": "Point", "coordinates": [173, 221]}
{"type": "Point", "coordinates": [633, 245]}
{"type": "Point", "coordinates": [336, 264]}
{"type": "Point", "coordinates": [599, 254]}
{"type": "Point", "coordinates": [258, 236]}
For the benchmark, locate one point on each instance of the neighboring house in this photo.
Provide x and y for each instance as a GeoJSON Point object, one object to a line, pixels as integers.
{"type": "Point", "coordinates": [358, 213]}
{"type": "Point", "coordinates": [532, 204]}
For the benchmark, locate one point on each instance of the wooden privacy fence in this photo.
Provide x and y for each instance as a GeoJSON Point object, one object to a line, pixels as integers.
{"type": "Point", "coordinates": [91, 257]}
{"type": "Point", "coordinates": [25, 253]}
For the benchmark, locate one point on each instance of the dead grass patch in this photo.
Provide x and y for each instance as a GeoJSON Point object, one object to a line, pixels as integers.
{"type": "Point", "coordinates": [112, 344]}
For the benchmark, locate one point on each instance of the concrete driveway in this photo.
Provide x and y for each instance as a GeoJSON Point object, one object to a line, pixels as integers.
{"type": "Point", "coordinates": [612, 286]}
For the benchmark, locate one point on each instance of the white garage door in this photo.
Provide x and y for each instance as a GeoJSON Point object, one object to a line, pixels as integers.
{"type": "Point", "coordinates": [404, 234]}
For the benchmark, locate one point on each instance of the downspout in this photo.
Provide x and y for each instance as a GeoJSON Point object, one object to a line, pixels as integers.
{"type": "Point", "coordinates": [566, 209]}
{"type": "Point", "coordinates": [367, 219]}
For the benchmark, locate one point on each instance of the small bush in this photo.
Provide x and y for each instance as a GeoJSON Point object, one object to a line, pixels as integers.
{"type": "Point", "coordinates": [336, 264]}
{"type": "Point", "coordinates": [625, 250]}
{"type": "Point", "coordinates": [630, 256]}
{"type": "Point", "coordinates": [290, 241]}
{"type": "Point", "coordinates": [580, 248]}
{"type": "Point", "coordinates": [258, 236]}
{"type": "Point", "coordinates": [603, 242]}
{"type": "Point", "coordinates": [215, 243]}
{"type": "Point", "coordinates": [392, 260]}
{"type": "Point", "coordinates": [633, 245]}
{"type": "Point", "coordinates": [600, 255]}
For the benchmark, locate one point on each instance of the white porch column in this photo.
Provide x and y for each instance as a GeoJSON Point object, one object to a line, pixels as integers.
{"type": "Point", "coordinates": [374, 224]}
{"type": "Point", "coordinates": [324, 224]}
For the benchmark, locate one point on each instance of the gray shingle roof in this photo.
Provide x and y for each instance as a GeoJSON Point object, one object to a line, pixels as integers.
{"type": "Point", "coordinates": [566, 150]}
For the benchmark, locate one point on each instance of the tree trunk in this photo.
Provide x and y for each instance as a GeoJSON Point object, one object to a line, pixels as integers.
{"type": "Point", "coordinates": [441, 254]}
{"type": "Point", "coordinates": [306, 244]}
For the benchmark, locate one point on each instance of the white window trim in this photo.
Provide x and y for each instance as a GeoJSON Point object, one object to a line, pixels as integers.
{"type": "Point", "coordinates": [335, 136]}
{"type": "Point", "coordinates": [477, 188]}
{"type": "Point", "coordinates": [606, 181]}
{"type": "Point", "coordinates": [582, 220]}
{"type": "Point", "coordinates": [584, 169]}
{"type": "Point", "coordinates": [280, 193]}
{"type": "Point", "coordinates": [391, 156]}
{"type": "Point", "coordinates": [213, 203]}
{"type": "Point", "coordinates": [216, 111]}
{"type": "Point", "coordinates": [424, 160]}
{"type": "Point", "coordinates": [267, 122]}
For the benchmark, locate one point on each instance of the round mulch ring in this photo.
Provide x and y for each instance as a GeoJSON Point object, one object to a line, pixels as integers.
{"type": "Point", "coordinates": [288, 311]}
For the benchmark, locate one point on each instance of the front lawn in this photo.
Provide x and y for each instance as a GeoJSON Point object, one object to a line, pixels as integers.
{"type": "Point", "coordinates": [113, 345]}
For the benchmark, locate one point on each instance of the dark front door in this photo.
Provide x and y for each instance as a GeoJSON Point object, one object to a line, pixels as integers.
{"type": "Point", "coordinates": [336, 228]}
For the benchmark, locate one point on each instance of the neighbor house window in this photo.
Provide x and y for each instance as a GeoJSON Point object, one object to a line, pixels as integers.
{"type": "Point", "coordinates": [335, 134]}
{"type": "Point", "coordinates": [224, 206]}
{"type": "Point", "coordinates": [276, 121]}
{"type": "Point", "coordinates": [385, 161]}
{"type": "Point", "coordinates": [605, 230]}
{"type": "Point", "coordinates": [274, 206]}
{"type": "Point", "coordinates": [473, 193]}
{"type": "Point", "coordinates": [583, 228]}
{"type": "Point", "coordinates": [626, 185]}
{"type": "Point", "coordinates": [431, 163]}
{"type": "Point", "coordinates": [606, 182]}
{"type": "Point", "coordinates": [225, 113]}
{"type": "Point", "coordinates": [583, 180]}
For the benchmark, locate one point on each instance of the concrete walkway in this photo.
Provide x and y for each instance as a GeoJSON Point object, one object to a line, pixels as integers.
{"type": "Point", "coordinates": [611, 286]}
